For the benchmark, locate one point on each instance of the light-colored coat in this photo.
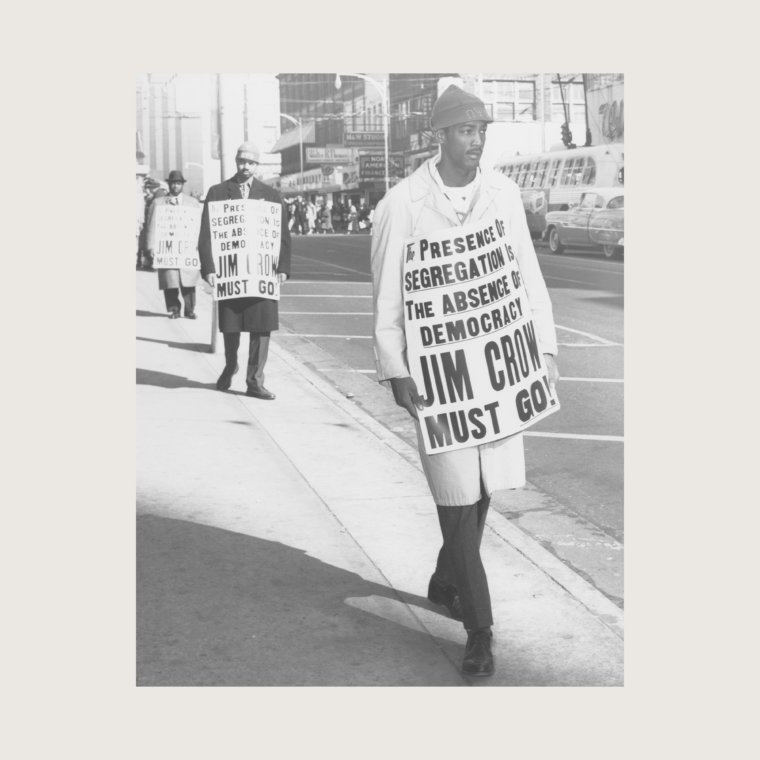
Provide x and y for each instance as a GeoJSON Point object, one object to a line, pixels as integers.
{"type": "Point", "coordinates": [414, 207]}
{"type": "Point", "coordinates": [171, 278]}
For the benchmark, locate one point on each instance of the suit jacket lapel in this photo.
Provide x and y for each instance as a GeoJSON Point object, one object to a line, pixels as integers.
{"type": "Point", "coordinates": [233, 190]}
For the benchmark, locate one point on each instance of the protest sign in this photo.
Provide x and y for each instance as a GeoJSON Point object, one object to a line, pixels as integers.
{"type": "Point", "coordinates": [471, 341]}
{"type": "Point", "coordinates": [176, 237]}
{"type": "Point", "coordinates": [245, 243]}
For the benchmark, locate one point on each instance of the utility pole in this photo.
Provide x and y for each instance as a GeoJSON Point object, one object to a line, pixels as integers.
{"type": "Point", "coordinates": [585, 106]}
{"type": "Point", "coordinates": [567, 135]}
{"type": "Point", "coordinates": [543, 112]}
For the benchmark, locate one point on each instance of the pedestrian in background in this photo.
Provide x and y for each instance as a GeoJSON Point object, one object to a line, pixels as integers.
{"type": "Point", "coordinates": [324, 220]}
{"type": "Point", "coordinates": [311, 217]}
{"type": "Point", "coordinates": [447, 191]}
{"type": "Point", "coordinates": [139, 210]}
{"type": "Point", "coordinates": [153, 190]}
{"type": "Point", "coordinates": [337, 215]}
{"type": "Point", "coordinates": [300, 216]}
{"type": "Point", "coordinates": [256, 316]}
{"type": "Point", "coordinates": [172, 281]}
{"type": "Point", "coordinates": [352, 225]}
{"type": "Point", "coordinates": [291, 214]}
{"type": "Point", "coordinates": [363, 214]}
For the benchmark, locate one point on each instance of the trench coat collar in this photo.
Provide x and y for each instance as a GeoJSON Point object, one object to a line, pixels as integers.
{"type": "Point", "coordinates": [422, 185]}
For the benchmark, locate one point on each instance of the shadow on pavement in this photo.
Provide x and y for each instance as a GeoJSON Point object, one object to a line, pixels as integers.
{"type": "Point", "coordinates": [141, 313]}
{"type": "Point", "coordinates": [165, 380]}
{"type": "Point", "coordinates": [217, 608]}
{"type": "Point", "coordinates": [202, 347]}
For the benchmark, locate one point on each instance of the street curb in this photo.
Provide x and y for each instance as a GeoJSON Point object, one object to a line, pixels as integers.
{"type": "Point", "coordinates": [592, 599]}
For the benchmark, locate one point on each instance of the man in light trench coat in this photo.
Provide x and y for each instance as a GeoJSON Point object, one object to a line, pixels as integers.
{"type": "Point", "coordinates": [447, 191]}
{"type": "Point", "coordinates": [172, 281]}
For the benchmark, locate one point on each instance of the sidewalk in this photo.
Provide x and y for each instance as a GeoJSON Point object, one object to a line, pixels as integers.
{"type": "Point", "coordinates": [291, 542]}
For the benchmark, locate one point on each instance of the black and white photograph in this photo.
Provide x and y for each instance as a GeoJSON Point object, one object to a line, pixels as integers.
{"type": "Point", "coordinates": [401, 412]}
{"type": "Point", "coordinates": [379, 323]}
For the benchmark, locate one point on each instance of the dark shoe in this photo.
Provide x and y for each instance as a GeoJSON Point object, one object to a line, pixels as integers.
{"type": "Point", "coordinates": [478, 657]}
{"type": "Point", "coordinates": [174, 315]}
{"type": "Point", "coordinates": [191, 316]}
{"type": "Point", "coordinates": [261, 393]}
{"type": "Point", "coordinates": [225, 379]}
{"type": "Point", "coordinates": [445, 594]}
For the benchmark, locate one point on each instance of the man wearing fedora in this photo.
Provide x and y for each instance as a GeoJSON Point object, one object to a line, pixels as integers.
{"type": "Point", "coordinates": [172, 281]}
{"type": "Point", "coordinates": [256, 316]}
{"type": "Point", "coordinates": [451, 190]}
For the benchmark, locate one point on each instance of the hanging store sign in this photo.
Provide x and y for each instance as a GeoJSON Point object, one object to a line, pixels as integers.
{"type": "Point", "coordinates": [364, 138]}
{"type": "Point", "coordinates": [329, 155]}
{"type": "Point", "coordinates": [373, 167]}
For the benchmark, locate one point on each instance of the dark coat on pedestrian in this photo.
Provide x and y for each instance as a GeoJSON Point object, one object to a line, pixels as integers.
{"type": "Point", "coordinates": [244, 314]}
{"type": "Point", "coordinates": [171, 278]}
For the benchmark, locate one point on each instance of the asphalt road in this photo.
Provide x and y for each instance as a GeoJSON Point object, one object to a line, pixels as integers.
{"type": "Point", "coordinates": [575, 457]}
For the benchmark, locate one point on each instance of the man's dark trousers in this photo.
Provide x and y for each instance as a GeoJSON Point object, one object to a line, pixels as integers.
{"type": "Point", "coordinates": [258, 350]}
{"type": "Point", "coordinates": [459, 562]}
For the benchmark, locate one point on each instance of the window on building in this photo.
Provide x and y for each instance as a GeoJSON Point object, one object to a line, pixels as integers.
{"type": "Point", "coordinates": [509, 100]}
{"type": "Point", "coordinates": [574, 100]}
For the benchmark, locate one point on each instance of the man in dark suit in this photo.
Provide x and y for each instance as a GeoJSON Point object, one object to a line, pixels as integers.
{"type": "Point", "coordinates": [256, 316]}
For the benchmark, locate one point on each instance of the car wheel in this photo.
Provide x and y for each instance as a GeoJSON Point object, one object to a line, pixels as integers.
{"type": "Point", "coordinates": [554, 245]}
{"type": "Point", "coordinates": [613, 251]}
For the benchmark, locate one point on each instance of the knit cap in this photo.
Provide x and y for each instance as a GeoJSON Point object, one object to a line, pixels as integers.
{"type": "Point", "coordinates": [456, 106]}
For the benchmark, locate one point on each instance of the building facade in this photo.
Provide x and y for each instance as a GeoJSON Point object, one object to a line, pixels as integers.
{"type": "Point", "coordinates": [195, 122]}
{"type": "Point", "coordinates": [342, 130]}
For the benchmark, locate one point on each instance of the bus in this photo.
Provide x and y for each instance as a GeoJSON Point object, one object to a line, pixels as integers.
{"type": "Point", "coordinates": [554, 180]}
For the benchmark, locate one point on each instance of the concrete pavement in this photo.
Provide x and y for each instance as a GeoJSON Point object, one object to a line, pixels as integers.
{"type": "Point", "coordinates": [291, 542]}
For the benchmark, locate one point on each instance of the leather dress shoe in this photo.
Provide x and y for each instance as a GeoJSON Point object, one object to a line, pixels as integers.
{"type": "Point", "coordinates": [261, 393]}
{"type": "Point", "coordinates": [225, 379]}
{"type": "Point", "coordinates": [445, 594]}
{"type": "Point", "coordinates": [191, 315]}
{"type": "Point", "coordinates": [174, 315]}
{"type": "Point", "coordinates": [478, 656]}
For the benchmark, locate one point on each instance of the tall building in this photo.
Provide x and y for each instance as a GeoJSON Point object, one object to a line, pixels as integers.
{"type": "Point", "coordinates": [339, 151]}
{"type": "Point", "coordinates": [333, 154]}
{"type": "Point", "coordinates": [178, 119]}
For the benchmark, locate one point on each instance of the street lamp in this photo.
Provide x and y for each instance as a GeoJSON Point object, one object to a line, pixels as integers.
{"type": "Point", "coordinates": [383, 90]}
{"type": "Point", "coordinates": [297, 122]}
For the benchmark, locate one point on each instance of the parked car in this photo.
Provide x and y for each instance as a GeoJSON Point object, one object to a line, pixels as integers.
{"type": "Point", "coordinates": [597, 221]}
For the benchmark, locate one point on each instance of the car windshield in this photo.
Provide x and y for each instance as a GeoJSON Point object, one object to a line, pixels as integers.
{"type": "Point", "coordinates": [616, 202]}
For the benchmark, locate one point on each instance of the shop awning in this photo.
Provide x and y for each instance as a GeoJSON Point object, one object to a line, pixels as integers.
{"type": "Point", "coordinates": [291, 138]}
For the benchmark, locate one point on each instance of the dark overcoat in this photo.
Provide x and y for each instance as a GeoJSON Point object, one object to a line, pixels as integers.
{"type": "Point", "coordinates": [171, 278]}
{"type": "Point", "coordinates": [244, 314]}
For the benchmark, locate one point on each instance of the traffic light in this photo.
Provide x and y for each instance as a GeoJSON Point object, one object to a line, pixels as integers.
{"type": "Point", "coordinates": [567, 136]}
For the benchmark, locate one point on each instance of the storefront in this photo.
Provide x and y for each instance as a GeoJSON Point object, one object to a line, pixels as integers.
{"type": "Point", "coordinates": [327, 184]}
